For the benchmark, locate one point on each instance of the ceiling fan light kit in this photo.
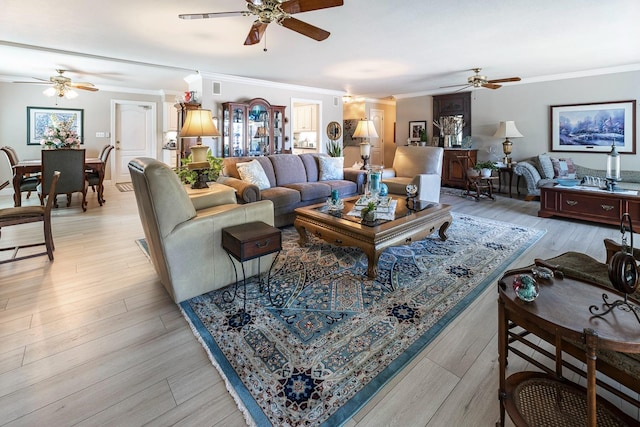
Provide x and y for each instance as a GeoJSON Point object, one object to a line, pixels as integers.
{"type": "Point", "coordinates": [268, 11]}
{"type": "Point", "coordinates": [62, 86]}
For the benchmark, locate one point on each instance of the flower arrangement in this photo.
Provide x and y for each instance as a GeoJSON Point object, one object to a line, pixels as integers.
{"type": "Point", "coordinates": [60, 134]}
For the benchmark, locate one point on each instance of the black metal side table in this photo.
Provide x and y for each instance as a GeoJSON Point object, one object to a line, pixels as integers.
{"type": "Point", "coordinates": [249, 241]}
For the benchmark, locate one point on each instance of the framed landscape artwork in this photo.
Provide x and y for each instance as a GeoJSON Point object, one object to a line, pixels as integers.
{"type": "Point", "coordinates": [593, 128]}
{"type": "Point", "coordinates": [39, 118]}
{"type": "Point", "coordinates": [415, 128]}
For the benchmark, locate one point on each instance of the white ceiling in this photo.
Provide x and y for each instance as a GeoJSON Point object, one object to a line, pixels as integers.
{"type": "Point", "coordinates": [377, 48]}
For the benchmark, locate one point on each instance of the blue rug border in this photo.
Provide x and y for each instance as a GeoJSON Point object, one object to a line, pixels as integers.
{"type": "Point", "coordinates": [361, 398]}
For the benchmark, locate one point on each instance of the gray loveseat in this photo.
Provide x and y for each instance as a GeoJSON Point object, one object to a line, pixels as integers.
{"type": "Point", "coordinates": [535, 176]}
{"type": "Point", "coordinates": [294, 182]}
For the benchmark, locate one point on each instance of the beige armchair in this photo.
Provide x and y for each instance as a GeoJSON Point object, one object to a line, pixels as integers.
{"type": "Point", "coordinates": [421, 166]}
{"type": "Point", "coordinates": [185, 243]}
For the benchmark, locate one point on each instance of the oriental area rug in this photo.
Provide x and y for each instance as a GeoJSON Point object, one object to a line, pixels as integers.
{"type": "Point", "coordinates": [340, 337]}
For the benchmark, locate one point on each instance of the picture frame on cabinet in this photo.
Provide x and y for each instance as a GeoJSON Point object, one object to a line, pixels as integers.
{"type": "Point", "coordinates": [415, 128]}
{"type": "Point", "coordinates": [594, 127]}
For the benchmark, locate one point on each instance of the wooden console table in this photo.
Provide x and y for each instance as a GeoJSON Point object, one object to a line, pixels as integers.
{"type": "Point", "coordinates": [597, 206]}
{"type": "Point", "coordinates": [560, 316]}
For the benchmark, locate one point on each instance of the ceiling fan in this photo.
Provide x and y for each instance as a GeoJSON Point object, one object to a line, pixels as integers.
{"type": "Point", "coordinates": [62, 86]}
{"type": "Point", "coordinates": [277, 11]}
{"type": "Point", "coordinates": [478, 80]}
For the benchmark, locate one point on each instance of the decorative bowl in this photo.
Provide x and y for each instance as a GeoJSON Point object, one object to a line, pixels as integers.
{"type": "Point", "coordinates": [566, 182]}
{"type": "Point", "coordinates": [526, 287]}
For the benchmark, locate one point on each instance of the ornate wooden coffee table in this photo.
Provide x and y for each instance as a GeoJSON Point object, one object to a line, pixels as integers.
{"type": "Point", "coordinates": [344, 230]}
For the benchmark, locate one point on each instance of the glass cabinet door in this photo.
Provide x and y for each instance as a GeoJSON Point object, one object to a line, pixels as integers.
{"type": "Point", "coordinates": [233, 130]}
{"type": "Point", "coordinates": [259, 128]}
{"type": "Point", "coordinates": [278, 130]}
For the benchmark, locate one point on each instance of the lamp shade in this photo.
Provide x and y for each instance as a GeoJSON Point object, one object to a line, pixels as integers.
{"type": "Point", "coordinates": [199, 123]}
{"type": "Point", "coordinates": [507, 129]}
{"type": "Point", "coordinates": [365, 129]}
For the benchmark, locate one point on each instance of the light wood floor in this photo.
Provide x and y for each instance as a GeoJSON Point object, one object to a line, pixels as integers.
{"type": "Point", "coordinates": [93, 338]}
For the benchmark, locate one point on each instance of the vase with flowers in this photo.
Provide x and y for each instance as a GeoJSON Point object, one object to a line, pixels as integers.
{"type": "Point", "coordinates": [60, 134]}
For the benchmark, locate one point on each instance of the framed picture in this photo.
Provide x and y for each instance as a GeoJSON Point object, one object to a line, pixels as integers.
{"type": "Point", "coordinates": [347, 136]}
{"type": "Point", "coordinates": [593, 128]}
{"type": "Point", "coordinates": [415, 128]}
{"type": "Point", "coordinates": [39, 118]}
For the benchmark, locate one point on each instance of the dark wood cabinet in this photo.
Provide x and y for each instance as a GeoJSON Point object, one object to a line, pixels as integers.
{"type": "Point", "coordinates": [597, 206]}
{"type": "Point", "coordinates": [252, 128]}
{"type": "Point", "coordinates": [452, 172]}
{"type": "Point", "coordinates": [454, 104]}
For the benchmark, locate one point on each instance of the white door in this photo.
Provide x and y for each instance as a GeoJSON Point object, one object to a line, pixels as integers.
{"type": "Point", "coordinates": [134, 135]}
{"type": "Point", "coordinates": [377, 144]}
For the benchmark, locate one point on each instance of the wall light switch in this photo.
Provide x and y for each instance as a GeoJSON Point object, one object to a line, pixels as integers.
{"type": "Point", "coordinates": [107, 135]}
{"type": "Point", "coordinates": [99, 134]}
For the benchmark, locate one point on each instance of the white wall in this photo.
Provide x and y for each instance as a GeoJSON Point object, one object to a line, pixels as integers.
{"type": "Point", "coordinates": [528, 105]}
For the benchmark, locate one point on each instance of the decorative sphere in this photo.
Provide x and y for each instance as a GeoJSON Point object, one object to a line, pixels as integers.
{"type": "Point", "coordinates": [384, 190]}
{"type": "Point", "coordinates": [412, 190]}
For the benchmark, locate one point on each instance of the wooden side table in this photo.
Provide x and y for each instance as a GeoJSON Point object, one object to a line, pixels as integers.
{"type": "Point", "coordinates": [561, 316]}
{"type": "Point", "coordinates": [478, 186]}
{"type": "Point", "coordinates": [508, 171]}
{"type": "Point", "coordinates": [249, 241]}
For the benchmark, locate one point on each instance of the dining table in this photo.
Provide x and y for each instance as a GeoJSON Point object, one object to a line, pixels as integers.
{"type": "Point", "coordinates": [26, 167]}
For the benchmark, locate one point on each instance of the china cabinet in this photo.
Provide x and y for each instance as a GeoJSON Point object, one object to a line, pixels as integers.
{"type": "Point", "coordinates": [252, 128]}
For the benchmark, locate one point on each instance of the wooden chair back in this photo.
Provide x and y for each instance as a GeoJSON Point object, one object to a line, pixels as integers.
{"type": "Point", "coordinates": [70, 162]}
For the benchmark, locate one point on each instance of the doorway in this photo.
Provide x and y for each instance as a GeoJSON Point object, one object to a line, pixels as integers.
{"type": "Point", "coordinates": [306, 124]}
{"type": "Point", "coordinates": [377, 144]}
{"type": "Point", "coordinates": [133, 135]}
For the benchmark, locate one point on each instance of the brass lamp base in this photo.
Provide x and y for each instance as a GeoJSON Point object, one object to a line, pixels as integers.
{"type": "Point", "coordinates": [506, 148]}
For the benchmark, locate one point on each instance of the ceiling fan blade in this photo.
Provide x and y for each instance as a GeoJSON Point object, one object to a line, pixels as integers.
{"type": "Point", "coordinates": [509, 79]}
{"type": "Point", "coordinates": [299, 6]}
{"type": "Point", "coordinates": [255, 33]}
{"type": "Point", "coordinates": [211, 15]}
{"type": "Point", "coordinates": [76, 84]}
{"type": "Point", "coordinates": [463, 88]}
{"type": "Point", "coordinates": [491, 86]}
{"type": "Point", "coordinates": [90, 88]}
{"type": "Point", "coordinates": [443, 87]}
{"type": "Point", "coordinates": [305, 29]}
{"type": "Point", "coordinates": [43, 82]}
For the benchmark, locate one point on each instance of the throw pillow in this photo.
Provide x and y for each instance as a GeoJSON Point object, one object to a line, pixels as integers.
{"type": "Point", "coordinates": [563, 168]}
{"type": "Point", "coordinates": [546, 165]}
{"type": "Point", "coordinates": [253, 173]}
{"type": "Point", "coordinates": [331, 168]}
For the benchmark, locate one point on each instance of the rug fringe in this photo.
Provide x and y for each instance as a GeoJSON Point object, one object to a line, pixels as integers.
{"type": "Point", "coordinates": [230, 389]}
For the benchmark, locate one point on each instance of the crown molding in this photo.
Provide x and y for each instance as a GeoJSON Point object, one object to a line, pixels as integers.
{"type": "Point", "coordinates": [268, 83]}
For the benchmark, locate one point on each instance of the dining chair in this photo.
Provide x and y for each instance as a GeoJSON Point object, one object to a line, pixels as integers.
{"type": "Point", "coordinates": [70, 162]}
{"type": "Point", "coordinates": [6, 171]}
{"type": "Point", "coordinates": [29, 214]}
{"type": "Point", "coordinates": [27, 183]}
{"type": "Point", "coordinates": [93, 177]}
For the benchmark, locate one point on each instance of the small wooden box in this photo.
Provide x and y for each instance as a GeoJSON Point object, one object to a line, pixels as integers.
{"type": "Point", "coordinates": [251, 240]}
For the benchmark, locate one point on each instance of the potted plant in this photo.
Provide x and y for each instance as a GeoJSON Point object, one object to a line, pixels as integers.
{"type": "Point", "coordinates": [334, 149]}
{"type": "Point", "coordinates": [368, 214]}
{"type": "Point", "coordinates": [189, 176]}
{"type": "Point", "coordinates": [485, 168]}
{"type": "Point", "coordinates": [423, 137]}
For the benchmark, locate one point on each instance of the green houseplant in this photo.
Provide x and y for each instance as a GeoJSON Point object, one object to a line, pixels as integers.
{"type": "Point", "coordinates": [485, 167]}
{"type": "Point", "coordinates": [368, 213]}
{"type": "Point", "coordinates": [334, 149]}
{"type": "Point", "coordinates": [190, 176]}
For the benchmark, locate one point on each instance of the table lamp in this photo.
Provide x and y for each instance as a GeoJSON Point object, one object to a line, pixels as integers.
{"type": "Point", "coordinates": [199, 123]}
{"type": "Point", "coordinates": [507, 130]}
{"type": "Point", "coordinates": [365, 129]}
